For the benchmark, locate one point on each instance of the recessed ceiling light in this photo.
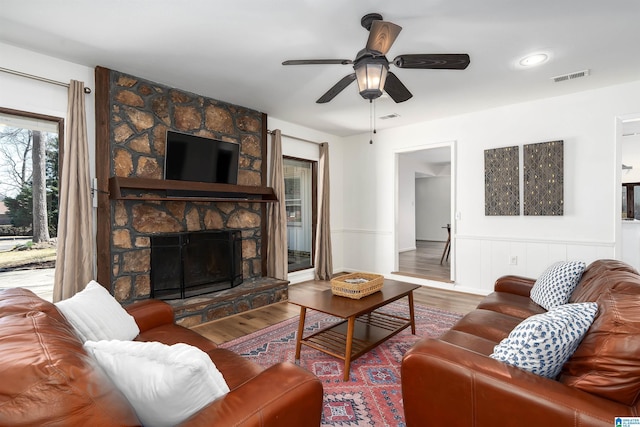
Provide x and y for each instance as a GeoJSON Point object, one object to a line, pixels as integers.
{"type": "Point", "coordinates": [389, 116]}
{"type": "Point", "coordinates": [534, 59]}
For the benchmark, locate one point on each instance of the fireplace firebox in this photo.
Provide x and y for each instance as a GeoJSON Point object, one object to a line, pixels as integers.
{"type": "Point", "coordinates": [190, 264]}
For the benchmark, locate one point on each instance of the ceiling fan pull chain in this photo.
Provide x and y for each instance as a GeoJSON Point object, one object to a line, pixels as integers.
{"type": "Point", "coordinates": [371, 129]}
{"type": "Point", "coordinates": [374, 117]}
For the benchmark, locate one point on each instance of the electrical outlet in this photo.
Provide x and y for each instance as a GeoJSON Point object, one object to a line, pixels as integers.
{"type": "Point", "coordinates": [513, 260]}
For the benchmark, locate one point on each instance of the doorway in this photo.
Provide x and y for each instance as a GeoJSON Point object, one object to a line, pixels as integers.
{"type": "Point", "coordinates": [300, 187]}
{"type": "Point", "coordinates": [628, 185]}
{"type": "Point", "coordinates": [424, 209]}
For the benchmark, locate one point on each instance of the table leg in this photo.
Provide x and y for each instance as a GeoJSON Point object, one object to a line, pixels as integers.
{"type": "Point", "coordinates": [347, 351]}
{"type": "Point", "coordinates": [412, 316]}
{"type": "Point", "coordinates": [303, 313]}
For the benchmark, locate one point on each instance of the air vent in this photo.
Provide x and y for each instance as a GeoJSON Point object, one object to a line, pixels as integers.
{"type": "Point", "coordinates": [571, 76]}
{"type": "Point", "coordinates": [389, 116]}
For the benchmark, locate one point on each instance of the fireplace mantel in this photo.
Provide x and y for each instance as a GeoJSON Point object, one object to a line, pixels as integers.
{"type": "Point", "coordinates": [217, 192]}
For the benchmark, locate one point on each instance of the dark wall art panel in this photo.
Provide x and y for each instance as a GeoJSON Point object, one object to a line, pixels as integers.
{"type": "Point", "coordinates": [501, 181]}
{"type": "Point", "coordinates": [544, 179]}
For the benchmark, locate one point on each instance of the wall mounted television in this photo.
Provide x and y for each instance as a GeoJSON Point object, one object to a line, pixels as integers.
{"type": "Point", "coordinates": [196, 158]}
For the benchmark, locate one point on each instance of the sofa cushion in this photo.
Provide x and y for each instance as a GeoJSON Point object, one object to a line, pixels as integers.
{"type": "Point", "coordinates": [555, 285]}
{"type": "Point", "coordinates": [616, 280]}
{"type": "Point", "coordinates": [170, 333]}
{"type": "Point", "coordinates": [165, 384]}
{"type": "Point", "coordinates": [468, 341]}
{"type": "Point", "coordinates": [542, 343]}
{"type": "Point", "coordinates": [46, 376]}
{"type": "Point", "coordinates": [591, 284]}
{"type": "Point", "coordinates": [607, 362]}
{"type": "Point", "coordinates": [96, 315]}
{"type": "Point", "coordinates": [514, 305]}
{"type": "Point", "coordinates": [487, 324]}
{"type": "Point", "coordinates": [20, 300]}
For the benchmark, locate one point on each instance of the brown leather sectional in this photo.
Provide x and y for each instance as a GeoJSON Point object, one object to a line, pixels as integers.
{"type": "Point", "coordinates": [452, 381]}
{"type": "Point", "coordinates": [46, 378]}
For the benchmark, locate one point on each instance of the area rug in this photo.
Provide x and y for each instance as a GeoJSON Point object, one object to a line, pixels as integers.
{"type": "Point", "coordinates": [372, 396]}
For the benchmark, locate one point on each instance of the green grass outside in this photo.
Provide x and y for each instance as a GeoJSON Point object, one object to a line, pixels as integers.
{"type": "Point", "coordinates": [13, 259]}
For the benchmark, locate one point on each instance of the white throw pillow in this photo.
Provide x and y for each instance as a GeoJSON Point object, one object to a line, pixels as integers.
{"type": "Point", "coordinates": [164, 384]}
{"type": "Point", "coordinates": [96, 315]}
{"type": "Point", "coordinates": [555, 285]}
{"type": "Point", "coordinates": [541, 344]}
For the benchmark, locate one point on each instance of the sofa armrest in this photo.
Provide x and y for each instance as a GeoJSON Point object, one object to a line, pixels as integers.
{"type": "Point", "coordinates": [444, 384]}
{"type": "Point", "coordinates": [282, 395]}
{"type": "Point", "coordinates": [514, 285]}
{"type": "Point", "coordinates": [150, 313]}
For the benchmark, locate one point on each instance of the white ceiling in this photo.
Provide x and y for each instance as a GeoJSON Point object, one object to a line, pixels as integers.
{"type": "Point", "coordinates": [233, 50]}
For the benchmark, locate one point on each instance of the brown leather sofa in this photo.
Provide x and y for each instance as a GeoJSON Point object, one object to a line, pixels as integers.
{"type": "Point", "coordinates": [452, 380]}
{"type": "Point", "coordinates": [46, 377]}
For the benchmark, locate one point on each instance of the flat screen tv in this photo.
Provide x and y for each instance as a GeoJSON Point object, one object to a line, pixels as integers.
{"type": "Point", "coordinates": [195, 158]}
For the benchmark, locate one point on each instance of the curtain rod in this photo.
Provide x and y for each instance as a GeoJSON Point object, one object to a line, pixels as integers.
{"type": "Point", "coordinates": [299, 139]}
{"type": "Point", "coordinates": [41, 79]}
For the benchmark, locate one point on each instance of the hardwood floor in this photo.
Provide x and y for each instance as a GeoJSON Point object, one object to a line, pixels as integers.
{"type": "Point", "coordinates": [229, 328]}
{"type": "Point", "coordinates": [424, 262]}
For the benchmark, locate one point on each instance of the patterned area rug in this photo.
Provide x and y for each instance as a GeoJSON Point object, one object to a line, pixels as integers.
{"type": "Point", "coordinates": [372, 396]}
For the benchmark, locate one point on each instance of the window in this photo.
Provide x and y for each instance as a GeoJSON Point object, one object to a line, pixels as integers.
{"type": "Point", "coordinates": [29, 162]}
{"type": "Point", "coordinates": [300, 178]}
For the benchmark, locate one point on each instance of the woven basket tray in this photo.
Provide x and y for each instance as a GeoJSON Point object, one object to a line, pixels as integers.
{"type": "Point", "coordinates": [356, 285]}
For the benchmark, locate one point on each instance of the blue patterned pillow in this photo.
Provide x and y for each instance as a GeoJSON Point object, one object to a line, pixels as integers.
{"type": "Point", "coordinates": [541, 344]}
{"type": "Point", "coordinates": [555, 285]}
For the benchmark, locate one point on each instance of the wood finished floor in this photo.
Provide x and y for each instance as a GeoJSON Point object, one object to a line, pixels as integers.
{"type": "Point", "coordinates": [424, 262]}
{"type": "Point", "coordinates": [229, 328]}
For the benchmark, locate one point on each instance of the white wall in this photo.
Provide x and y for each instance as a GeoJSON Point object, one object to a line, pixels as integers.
{"type": "Point", "coordinates": [433, 207]}
{"type": "Point", "coordinates": [586, 122]}
{"type": "Point", "coordinates": [406, 213]}
{"type": "Point", "coordinates": [20, 93]}
{"type": "Point", "coordinates": [305, 150]}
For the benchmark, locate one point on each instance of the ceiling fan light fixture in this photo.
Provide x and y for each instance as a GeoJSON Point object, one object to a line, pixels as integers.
{"type": "Point", "coordinates": [534, 59]}
{"type": "Point", "coordinates": [371, 66]}
{"type": "Point", "coordinates": [371, 76]}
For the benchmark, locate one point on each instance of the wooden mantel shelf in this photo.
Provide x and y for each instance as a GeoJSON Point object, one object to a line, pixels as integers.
{"type": "Point", "coordinates": [207, 192]}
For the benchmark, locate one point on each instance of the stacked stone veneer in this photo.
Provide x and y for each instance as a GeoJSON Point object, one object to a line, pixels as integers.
{"type": "Point", "coordinates": [141, 113]}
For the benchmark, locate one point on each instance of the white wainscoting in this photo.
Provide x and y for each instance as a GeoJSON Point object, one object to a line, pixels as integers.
{"type": "Point", "coordinates": [480, 260]}
{"type": "Point", "coordinates": [370, 251]}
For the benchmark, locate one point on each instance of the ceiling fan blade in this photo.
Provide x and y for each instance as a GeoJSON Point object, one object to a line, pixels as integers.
{"type": "Point", "coordinates": [382, 35]}
{"type": "Point", "coordinates": [317, 61]}
{"type": "Point", "coordinates": [396, 90]}
{"type": "Point", "coordinates": [445, 61]}
{"type": "Point", "coordinates": [337, 88]}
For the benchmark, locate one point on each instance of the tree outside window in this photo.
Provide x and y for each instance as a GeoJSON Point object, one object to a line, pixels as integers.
{"type": "Point", "coordinates": [29, 148]}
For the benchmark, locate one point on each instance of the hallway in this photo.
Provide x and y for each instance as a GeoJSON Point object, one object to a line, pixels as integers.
{"type": "Point", "coordinates": [424, 262]}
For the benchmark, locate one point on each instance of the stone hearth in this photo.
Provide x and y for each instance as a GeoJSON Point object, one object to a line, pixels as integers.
{"type": "Point", "coordinates": [250, 294]}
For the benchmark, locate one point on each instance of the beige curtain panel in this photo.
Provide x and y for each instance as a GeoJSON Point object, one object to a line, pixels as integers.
{"type": "Point", "coordinates": [277, 263]}
{"type": "Point", "coordinates": [74, 263]}
{"type": "Point", "coordinates": [323, 260]}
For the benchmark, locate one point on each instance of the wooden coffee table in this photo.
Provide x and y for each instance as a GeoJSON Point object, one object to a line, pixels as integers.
{"type": "Point", "coordinates": [364, 326]}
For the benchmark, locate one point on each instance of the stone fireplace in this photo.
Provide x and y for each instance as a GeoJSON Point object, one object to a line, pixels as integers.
{"type": "Point", "coordinates": [133, 116]}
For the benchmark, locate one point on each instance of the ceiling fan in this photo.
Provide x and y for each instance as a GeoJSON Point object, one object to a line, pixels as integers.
{"type": "Point", "coordinates": [371, 67]}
